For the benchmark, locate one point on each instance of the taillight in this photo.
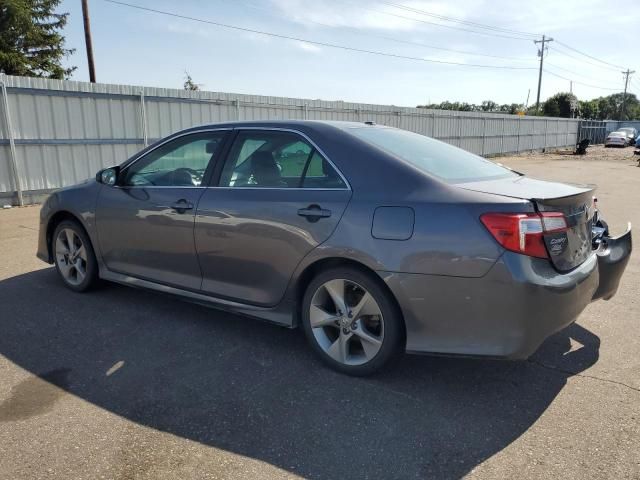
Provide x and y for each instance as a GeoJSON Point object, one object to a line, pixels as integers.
{"type": "Point", "coordinates": [523, 232]}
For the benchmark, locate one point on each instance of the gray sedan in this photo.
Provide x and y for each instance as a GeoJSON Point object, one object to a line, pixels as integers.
{"type": "Point", "coordinates": [375, 240]}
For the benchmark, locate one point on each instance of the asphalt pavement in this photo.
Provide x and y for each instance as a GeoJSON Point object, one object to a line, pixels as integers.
{"type": "Point", "coordinates": [121, 383]}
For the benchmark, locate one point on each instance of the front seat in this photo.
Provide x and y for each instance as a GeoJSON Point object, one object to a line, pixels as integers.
{"type": "Point", "coordinates": [264, 170]}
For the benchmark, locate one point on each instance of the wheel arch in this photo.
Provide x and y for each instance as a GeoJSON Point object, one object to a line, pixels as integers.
{"type": "Point", "coordinates": [55, 220]}
{"type": "Point", "coordinates": [313, 269]}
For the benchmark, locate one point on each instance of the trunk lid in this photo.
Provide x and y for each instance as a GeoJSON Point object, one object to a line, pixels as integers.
{"type": "Point", "coordinates": [568, 248]}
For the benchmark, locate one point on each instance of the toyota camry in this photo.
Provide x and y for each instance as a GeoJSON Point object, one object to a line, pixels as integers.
{"type": "Point", "coordinates": [374, 240]}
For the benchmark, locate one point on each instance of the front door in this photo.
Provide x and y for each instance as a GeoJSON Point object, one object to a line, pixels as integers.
{"type": "Point", "coordinates": [145, 223]}
{"type": "Point", "coordinates": [275, 199]}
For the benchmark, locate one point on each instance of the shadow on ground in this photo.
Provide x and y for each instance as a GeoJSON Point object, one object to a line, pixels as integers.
{"type": "Point", "coordinates": [255, 389]}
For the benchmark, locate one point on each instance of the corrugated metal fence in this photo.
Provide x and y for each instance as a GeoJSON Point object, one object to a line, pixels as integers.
{"type": "Point", "coordinates": [63, 132]}
{"type": "Point", "coordinates": [594, 130]}
{"type": "Point", "coordinates": [613, 125]}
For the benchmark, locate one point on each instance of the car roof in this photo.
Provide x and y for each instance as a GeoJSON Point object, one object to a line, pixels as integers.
{"type": "Point", "coordinates": [293, 124]}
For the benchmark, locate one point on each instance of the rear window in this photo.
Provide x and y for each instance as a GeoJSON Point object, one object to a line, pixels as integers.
{"type": "Point", "coordinates": [436, 158]}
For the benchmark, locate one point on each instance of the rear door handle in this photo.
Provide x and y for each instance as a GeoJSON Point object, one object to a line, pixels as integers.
{"type": "Point", "coordinates": [314, 213]}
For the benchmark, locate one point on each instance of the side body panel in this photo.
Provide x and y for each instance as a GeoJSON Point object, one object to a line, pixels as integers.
{"type": "Point", "coordinates": [142, 236]}
{"type": "Point", "coordinates": [507, 313]}
{"type": "Point", "coordinates": [250, 241]}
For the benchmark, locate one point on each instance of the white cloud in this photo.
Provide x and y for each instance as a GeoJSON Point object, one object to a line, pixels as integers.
{"type": "Point", "coordinates": [344, 14]}
{"type": "Point", "coordinates": [307, 47]}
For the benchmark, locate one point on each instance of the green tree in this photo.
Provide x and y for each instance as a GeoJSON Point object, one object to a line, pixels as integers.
{"type": "Point", "coordinates": [31, 43]}
{"type": "Point", "coordinates": [511, 108]}
{"type": "Point", "coordinates": [588, 109]}
{"type": "Point", "coordinates": [560, 105]}
{"type": "Point", "coordinates": [489, 106]}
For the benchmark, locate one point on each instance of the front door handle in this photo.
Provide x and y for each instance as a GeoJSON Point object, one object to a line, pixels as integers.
{"type": "Point", "coordinates": [180, 206]}
{"type": "Point", "coordinates": [314, 213]}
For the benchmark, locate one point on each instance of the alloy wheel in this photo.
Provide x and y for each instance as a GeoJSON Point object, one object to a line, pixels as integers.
{"type": "Point", "coordinates": [346, 322]}
{"type": "Point", "coordinates": [71, 256]}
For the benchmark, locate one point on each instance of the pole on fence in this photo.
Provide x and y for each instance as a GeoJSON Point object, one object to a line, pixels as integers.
{"type": "Point", "coordinates": [12, 143]}
{"type": "Point", "coordinates": [518, 137]}
{"type": "Point", "coordinates": [143, 120]}
{"type": "Point", "coordinates": [484, 132]}
{"type": "Point", "coordinates": [237, 102]}
{"type": "Point", "coordinates": [546, 128]}
{"type": "Point", "coordinates": [305, 112]}
{"type": "Point", "coordinates": [502, 137]}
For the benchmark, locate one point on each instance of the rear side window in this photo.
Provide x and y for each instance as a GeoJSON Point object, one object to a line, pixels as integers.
{"type": "Point", "coordinates": [436, 158]}
{"type": "Point", "coordinates": [274, 159]}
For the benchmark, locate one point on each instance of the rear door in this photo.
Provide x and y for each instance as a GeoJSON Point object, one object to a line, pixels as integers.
{"type": "Point", "coordinates": [275, 198]}
{"type": "Point", "coordinates": [145, 223]}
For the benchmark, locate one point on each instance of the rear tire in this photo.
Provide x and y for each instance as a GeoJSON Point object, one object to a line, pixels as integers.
{"type": "Point", "coordinates": [74, 257]}
{"type": "Point", "coordinates": [352, 322]}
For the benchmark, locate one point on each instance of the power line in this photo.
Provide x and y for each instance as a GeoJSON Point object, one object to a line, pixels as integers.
{"type": "Point", "coordinates": [413, 19]}
{"type": "Point", "coordinates": [579, 83]}
{"type": "Point", "coordinates": [589, 56]}
{"type": "Point", "coordinates": [314, 42]}
{"type": "Point", "coordinates": [574, 73]}
{"type": "Point", "coordinates": [575, 57]}
{"type": "Point", "coordinates": [394, 39]}
{"type": "Point", "coordinates": [459, 20]}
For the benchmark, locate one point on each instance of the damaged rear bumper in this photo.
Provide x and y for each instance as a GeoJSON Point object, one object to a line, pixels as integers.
{"type": "Point", "coordinates": [613, 256]}
{"type": "Point", "coordinates": [510, 311]}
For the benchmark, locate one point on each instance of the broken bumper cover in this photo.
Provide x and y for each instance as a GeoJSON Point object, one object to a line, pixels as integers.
{"type": "Point", "coordinates": [509, 312]}
{"type": "Point", "coordinates": [613, 256]}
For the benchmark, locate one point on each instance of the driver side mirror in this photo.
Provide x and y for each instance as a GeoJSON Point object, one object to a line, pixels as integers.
{"type": "Point", "coordinates": [108, 176]}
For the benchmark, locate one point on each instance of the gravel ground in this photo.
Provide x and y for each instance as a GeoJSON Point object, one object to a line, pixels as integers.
{"type": "Point", "coordinates": [123, 384]}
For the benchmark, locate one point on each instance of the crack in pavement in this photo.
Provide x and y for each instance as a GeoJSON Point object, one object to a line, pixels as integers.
{"type": "Point", "coordinates": [578, 374]}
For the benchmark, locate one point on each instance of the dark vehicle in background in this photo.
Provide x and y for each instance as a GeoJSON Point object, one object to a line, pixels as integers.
{"type": "Point", "coordinates": [616, 139]}
{"type": "Point", "coordinates": [374, 240]}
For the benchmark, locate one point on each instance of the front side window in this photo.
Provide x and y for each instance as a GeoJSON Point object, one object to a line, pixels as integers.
{"type": "Point", "coordinates": [273, 159]}
{"type": "Point", "coordinates": [178, 163]}
{"type": "Point", "coordinates": [433, 157]}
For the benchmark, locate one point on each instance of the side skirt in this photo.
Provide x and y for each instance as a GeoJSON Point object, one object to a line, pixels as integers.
{"type": "Point", "coordinates": [282, 314]}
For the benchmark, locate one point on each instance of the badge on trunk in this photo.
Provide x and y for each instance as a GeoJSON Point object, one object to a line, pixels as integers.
{"type": "Point", "coordinates": [557, 243]}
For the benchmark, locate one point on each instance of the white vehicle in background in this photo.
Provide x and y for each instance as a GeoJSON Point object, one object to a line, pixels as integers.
{"type": "Point", "coordinates": [631, 134]}
{"type": "Point", "coordinates": [616, 139]}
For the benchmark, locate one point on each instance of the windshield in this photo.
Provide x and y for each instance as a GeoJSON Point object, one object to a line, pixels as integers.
{"type": "Point", "coordinates": [617, 134]}
{"type": "Point", "coordinates": [436, 158]}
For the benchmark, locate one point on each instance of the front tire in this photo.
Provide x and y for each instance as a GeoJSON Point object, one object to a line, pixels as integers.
{"type": "Point", "coordinates": [74, 257]}
{"type": "Point", "coordinates": [352, 322]}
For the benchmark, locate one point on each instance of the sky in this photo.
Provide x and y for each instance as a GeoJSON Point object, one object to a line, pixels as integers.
{"type": "Point", "coordinates": [137, 47]}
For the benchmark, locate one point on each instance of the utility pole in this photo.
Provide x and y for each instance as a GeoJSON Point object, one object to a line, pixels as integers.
{"type": "Point", "coordinates": [626, 74]}
{"type": "Point", "coordinates": [541, 55]}
{"type": "Point", "coordinates": [88, 42]}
